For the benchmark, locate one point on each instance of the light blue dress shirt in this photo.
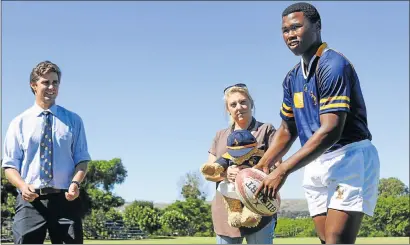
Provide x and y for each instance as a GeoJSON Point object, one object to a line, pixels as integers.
{"type": "Point", "coordinates": [22, 145]}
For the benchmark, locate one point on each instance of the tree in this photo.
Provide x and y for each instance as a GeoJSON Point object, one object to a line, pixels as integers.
{"type": "Point", "coordinates": [144, 217]}
{"type": "Point", "coordinates": [392, 187]}
{"type": "Point", "coordinates": [101, 177]}
{"type": "Point", "coordinates": [104, 200]}
{"type": "Point", "coordinates": [198, 214]}
{"type": "Point", "coordinates": [8, 207]}
{"type": "Point", "coordinates": [391, 213]}
{"type": "Point", "coordinates": [95, 222]}
{"type": "Point", "coordinates": [390, 218]}
{"type": "Point", "coordinates": [194, 208]}
{"type": "Point", "coordinates": [8, 198]}
{"type": "Point", "coordinates": [192, 186]}
{"type": "Point", "coordinates": [174, 221]}
{"type": "Point", "coordinates": [105, 174]}
{"type": "Point", "coordinates": [143, 203]}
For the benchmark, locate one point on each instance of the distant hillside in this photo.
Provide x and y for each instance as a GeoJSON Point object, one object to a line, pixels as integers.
{"type": "Point", "coordinates": [287, 205]}
{"type": "Point", "coordinates": [294, 205]}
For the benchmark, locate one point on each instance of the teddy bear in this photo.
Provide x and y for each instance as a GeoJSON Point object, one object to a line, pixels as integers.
{"type": "Point", "coordinates": [242, 151]}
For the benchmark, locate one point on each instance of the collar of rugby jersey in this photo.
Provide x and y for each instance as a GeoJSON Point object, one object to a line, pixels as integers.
{"type": "Point", "coordinates": [37, 110]}
{"type": "Point", "coordinates": [321, 50]}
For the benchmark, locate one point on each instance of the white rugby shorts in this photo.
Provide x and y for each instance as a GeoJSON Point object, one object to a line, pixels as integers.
{"type": "Point", "coordinates": [346, 179]}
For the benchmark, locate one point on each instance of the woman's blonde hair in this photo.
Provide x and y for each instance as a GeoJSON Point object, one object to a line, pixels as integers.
{"type": "Point", "coordinates": [236, 89]}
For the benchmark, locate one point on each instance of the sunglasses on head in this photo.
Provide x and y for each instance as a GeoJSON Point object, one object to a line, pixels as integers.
{"type": "Point", "coordinates": [241, 85]}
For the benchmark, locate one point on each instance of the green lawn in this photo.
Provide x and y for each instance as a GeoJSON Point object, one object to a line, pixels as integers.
{"type": "Point", "coordinates": [211, 240]}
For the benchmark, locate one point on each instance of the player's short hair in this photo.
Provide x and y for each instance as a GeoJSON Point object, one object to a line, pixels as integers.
{"type": "Point", "coordinates": [43, 68]}
{"type": "Point", "coordinates": [308, 10]}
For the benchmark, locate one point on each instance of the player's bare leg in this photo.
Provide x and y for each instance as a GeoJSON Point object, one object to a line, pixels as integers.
{"type": "Point", "coordinates": [320, 221]}
{"type": "Point", "coordinates": [342, 226]}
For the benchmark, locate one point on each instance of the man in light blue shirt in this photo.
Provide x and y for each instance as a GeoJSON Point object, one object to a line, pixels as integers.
{"type": "Point", "coordinates": [45, 157]}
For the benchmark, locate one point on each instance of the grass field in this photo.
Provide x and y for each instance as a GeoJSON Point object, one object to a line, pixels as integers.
{"type": "Point", "coordinates": [211, 240]}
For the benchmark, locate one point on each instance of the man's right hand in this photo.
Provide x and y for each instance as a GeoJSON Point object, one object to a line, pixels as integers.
{"type": "Point", "coordinates": [27, 193]}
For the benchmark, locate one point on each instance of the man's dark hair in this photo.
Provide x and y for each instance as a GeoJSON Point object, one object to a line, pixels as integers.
{"type": "Point", "coordinates": [43, 68]}
{"type": "Point", "coordinates": [308, 10]}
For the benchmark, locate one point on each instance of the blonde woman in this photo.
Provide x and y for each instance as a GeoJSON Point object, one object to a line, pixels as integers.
{"type": "Point", "coordinates": [239, 106]}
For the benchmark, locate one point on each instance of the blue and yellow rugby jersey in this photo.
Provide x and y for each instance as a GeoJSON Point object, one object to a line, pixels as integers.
{"type": "Point", "coordinates": [332, 86]}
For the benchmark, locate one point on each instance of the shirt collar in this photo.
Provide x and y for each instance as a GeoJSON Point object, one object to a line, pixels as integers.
{"type": "Point", "coordinates": [320, 51]}
{"type": "Point", "coordinates": [252, 127]}
{"type": "Point", "coordinates": [37, 110]}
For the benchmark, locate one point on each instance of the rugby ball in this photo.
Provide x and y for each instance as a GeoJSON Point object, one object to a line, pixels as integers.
{"type": "Point", "coordinates": [247, 181]}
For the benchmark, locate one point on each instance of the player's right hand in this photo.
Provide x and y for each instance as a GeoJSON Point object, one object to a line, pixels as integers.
{"type": "Point", "coordinates": [262, 166]}
{"type": "Point", "coordinates": [27, 193]}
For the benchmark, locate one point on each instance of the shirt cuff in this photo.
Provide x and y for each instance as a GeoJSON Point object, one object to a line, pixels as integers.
{"type": "Point", "coordinates": [82, 156]}
{"type": "Point", "coordinates": [11, 163]}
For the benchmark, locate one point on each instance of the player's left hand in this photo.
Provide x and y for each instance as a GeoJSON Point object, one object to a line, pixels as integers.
{"type": "Point", "coordinates": [73, 192]}
{"type": "Point", "coordinates": [272, 183]}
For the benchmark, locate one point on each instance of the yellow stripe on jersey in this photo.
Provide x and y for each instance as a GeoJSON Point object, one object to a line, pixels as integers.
{"type": "Point", "coordinates": [320, 50]}
{"type": "Point", "coordinates": [286, 107]}
{"type": "Point", "coordinates": [334, 98]}
{"type": "Point", "coordinates": [286, 113]}
{"type": "Point", "coordinates": [335, 105]}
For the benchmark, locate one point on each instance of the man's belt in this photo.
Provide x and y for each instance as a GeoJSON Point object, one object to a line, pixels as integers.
{"type": "Point", "coordinates": [48, 190]}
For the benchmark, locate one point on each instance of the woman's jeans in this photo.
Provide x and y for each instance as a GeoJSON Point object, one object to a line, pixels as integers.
{"type": "Point", "coordinates": [263, 236]}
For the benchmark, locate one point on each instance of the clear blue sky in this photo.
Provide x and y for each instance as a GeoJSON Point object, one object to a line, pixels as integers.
{"type": "Point", "coordinates": [147, 77]}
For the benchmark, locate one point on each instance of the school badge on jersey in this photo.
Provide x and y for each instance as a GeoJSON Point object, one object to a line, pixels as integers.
{"type": "Point", "coordinates": [312, 95]}
{"type": "Point", "coordinates": [298, 100]}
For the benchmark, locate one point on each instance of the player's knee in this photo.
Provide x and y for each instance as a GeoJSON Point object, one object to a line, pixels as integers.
{"type": "Point", "coordinates": [333, 237]}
